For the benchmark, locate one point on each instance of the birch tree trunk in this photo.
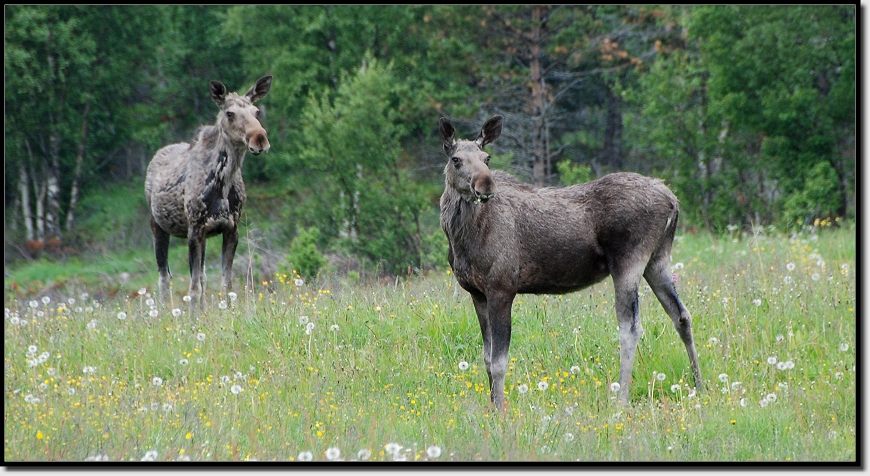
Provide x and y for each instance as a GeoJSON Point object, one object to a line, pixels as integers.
{"type": "Point", "coordinates": [24, 190]}
{"type": "Point", "coordinates": [77, 174]}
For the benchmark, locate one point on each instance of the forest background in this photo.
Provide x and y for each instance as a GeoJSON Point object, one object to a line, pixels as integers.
{"type": "Point", "coordinates": [747, 112]}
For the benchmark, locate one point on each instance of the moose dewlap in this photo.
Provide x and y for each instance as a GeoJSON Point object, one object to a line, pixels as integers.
{"type": "Point", "coordinates": [507, 238]}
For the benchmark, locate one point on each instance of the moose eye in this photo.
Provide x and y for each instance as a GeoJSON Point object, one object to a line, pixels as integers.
{"type": "Point", "coordinates": [230, 114]}
{"type": "Point", "coordinates": [257, 113]}
{"type": "Point", "coordinates": [455, 160]}
{"type": "Point", "coordinates": [486, 160]}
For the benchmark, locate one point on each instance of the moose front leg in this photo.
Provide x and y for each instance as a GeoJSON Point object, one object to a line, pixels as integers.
{"type": "Point", "coordinates": [480, 308]}
{"type": "Point", "coordinates": [195, 253]}
{"type": "Point", "coordinates": [161, 252]}
{"type": "Point", "coordinates": [228, 251]}
{"type": "Point", "coordinates": [498, 308]}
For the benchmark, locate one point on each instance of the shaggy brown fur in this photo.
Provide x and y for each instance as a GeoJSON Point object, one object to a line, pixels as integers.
{"type": "Point", "coordinates": [196, 191]}
{"type": "Point", "coordinates": [507, 237]}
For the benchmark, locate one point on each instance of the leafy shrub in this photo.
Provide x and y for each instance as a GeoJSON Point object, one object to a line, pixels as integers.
{"type": "Point", "coordinates": [819, 198]}
{"type": "Point", "coordinates": [304, 255]}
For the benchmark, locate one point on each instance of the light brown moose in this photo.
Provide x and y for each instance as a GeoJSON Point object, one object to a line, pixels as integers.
{"type": "Point", "coordinates": [507, 238]}
{"type": "Point", "coordinates": [196, 191]}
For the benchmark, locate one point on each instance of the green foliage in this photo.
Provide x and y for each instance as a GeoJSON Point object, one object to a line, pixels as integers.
{"type": "Point", "coordinates": [820, 197]}
{"type": "Point", "coordinates": [752, 102]}
{"type": "Point", "coordinates": [304, 256]}
{"type": "Point", "coordinates": [570, 173]}
{"type": "Point", "coordinates": [367, 199]}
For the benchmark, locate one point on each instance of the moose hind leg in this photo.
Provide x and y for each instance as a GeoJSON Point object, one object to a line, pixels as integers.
{"type": "Point", "coordinates": [630, 328]}
{"type": "Point", "coordinates": [228, 251]}
{"type": "Point", "coordinates": [658, 275]}
{"type": "Point", "coordinates": [161, 252]}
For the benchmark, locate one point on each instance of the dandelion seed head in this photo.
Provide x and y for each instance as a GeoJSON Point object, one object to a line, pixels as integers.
{"type": "Point", "coordinates": [364, 454]}
{"type": "Point", "coordinates": [150, 455]}
{"type": "Point", "coordinates": [183, 361]}
{"type": "Point", "coordinates": [523, 388]}
{"type": "Point", "coordinates": [575, 369]}
{"type": "Point", "coordinates": [744, 402]}
{"type": "Point", "coordinates": [660, 377]}
{"type": "Point", "coordinates": [222, 304]}
{"type": "Point", "coordinates": [303, 320]}
{"type": "Point", "coordinates": [771, 360]}
{"type": "Point", "coordinates": [543, 385]}
{"type": "Point", "coordinates": [154, 313]}
{"type": "Point", "coordinates": [157, 381]}
{"type": "Point", "coordinates": [392, 448]}
{"type": "Point", "coordinates": [32, 349]}
{"type": "Point", "coordinates": [789, 266]}
{"type": "Point", "coordinates": [789, 364]}
{"type": "Point", "coordinates": [675, 388]}
{"type": "Point", "coordinates": [200, 337]}
{"type": "Point", "coordinates": [298, 282]}
{"type": "Point", "coordinates": [433, 451]}
{"type": "Point", "coordinates": [816, 276]}
{"type": "Point", "coordinates": [569, 437]}
{"type": "Point", "coordinates": [332, 453]}
{"type": "Point", "coordinates": [142, 291]}
{"type": "Point", "coordinates": [149, 302]}
{"type": "Point", "coordinates": [844, 347]}
{"type": "Point", "coordinates": [236, 389]}
{"type": "Point", "coordinates": [723, 378]}
{"type": "Point", "coordinates": [712, 341]}
{"type": "Point", "coordinates": [233, 296]}
{"type": "Point", "coordinates": [186, 298]}
{"type": "Point", "coordinates": [614, 387]}
{"type": "Point", "coordinates": [463, 365]}
{"type": "Point", "coordinates": [34, 304]}
{"type": "Point", "coordinates": [46, 300]}
{"type": "Point", "coordinates": [305, 456]}
{"type": "Point", "coordinates": [771, 397]}
{"type": "Point", "coordinates": [176, 312]}
{"type": "Point", "coordinates": [122, 315]}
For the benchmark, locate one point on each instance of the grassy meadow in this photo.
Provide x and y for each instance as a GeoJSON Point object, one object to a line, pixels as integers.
{"type": "Point", "coordinates": [337, 369]}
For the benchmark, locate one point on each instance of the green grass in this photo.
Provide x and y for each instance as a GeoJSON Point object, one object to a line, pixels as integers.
{"type": "Point", "coordinates": [389, 372]}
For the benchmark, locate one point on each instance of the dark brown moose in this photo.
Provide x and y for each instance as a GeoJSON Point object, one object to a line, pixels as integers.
{"type": "Point", "coordinates": [195, 190]}
{"type": "Point", "coordinates": [507, 238]}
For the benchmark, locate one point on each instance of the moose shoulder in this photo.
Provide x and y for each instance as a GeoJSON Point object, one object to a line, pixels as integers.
{"type": "Point", "coordinates": [507, 238]}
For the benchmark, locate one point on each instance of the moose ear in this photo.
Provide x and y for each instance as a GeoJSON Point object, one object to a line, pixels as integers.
{"type": "Point", "coordinates": [260, 88]}
{"type": "Point", "coordinates": [490, 131]}
{"type": "Point", "coordinates": [448, 134]}
{"type": "Point", "coordinates": [218, 92]}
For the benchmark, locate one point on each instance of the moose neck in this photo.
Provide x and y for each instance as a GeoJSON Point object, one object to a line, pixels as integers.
{"type": "Point", "coordinates": [460, 214]}
{"type": "Point", "coordinates": [223, 156]}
